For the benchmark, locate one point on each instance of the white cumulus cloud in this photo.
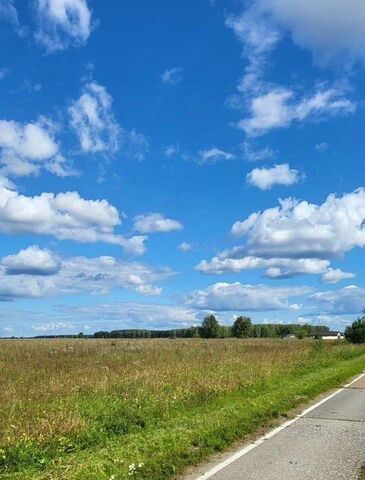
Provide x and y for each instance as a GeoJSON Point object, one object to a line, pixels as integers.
{"type": "Point", "coordinates": [302, 229]}
{"type": "Point", "coordinates": [136, 315]}
{"type": "Point", "coordinates": [62, 23]}
{"type": "Point", "coordinates": [226, 262]}
{"type": "Point", "coordinates": [279, 108]}
{"type": "Point", "coordinates": [334, 275]}
{"type": "Point", "coordinates": [66, 216]}
{"type": "Point", "coordinates": [296, 238]}
{"type": "Point", "coordinates": [93, 120]}
{"type": "Point", "coordinates": [32, 261]}
{"type": "Point", "coordinates": [265, 178]}
{"type": "Point", "coordinates": [238, 297]}
{"type": "Point", "coordinates": [35, 272]}
{"type": "Point", "coordinates": [52, 327]}
{"type": "Point", "coordinates": [155, 222]}
{"type": "Point", "coordinates": [347, 300]}
{"type": "Point", "coordinates": [333, 30]}
{"type": "Point", "coordinates": [259, 29]}
{"type": "Point", "coordinates": [26, 148]}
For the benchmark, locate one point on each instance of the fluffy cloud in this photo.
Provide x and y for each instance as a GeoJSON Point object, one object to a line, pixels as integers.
{"type": "Point", "coordinates": [32, 261]}
{"type": "Point", "coordinates": [185, 247]}
{"type": "Point", "coordinates": [279, 108]}
{"type": "Point", "coordinates": [101, 274]}
{"type": "Point", "coordinates": [36, 272]}
{"type": "Point", "coordinates": [332, 29]}
{"type": "Point", "coordinates": [172, 76]}
{"type": "Point", "coordinates": [348, 300]}
{"type": "Point", "coordinates": [93, 120]}
{"type": "Point", "coordinates": [334, 275]}
{"type": "Point", "coordinates": [235, 296]}
{"type": "Point", "coordinates": [135, 315]}
{"type": "Point", "coordinates": [155, 222]}
{"type": "Point", "coordinates": [213, 155]}
{"type": "Point", "coordinates": [271, 106]}
{"type": "Point", "coordinates": [66, 216]}
{"type": "Point", "coordinates": [23, 286]}
{"type": "Point", "coordinates": [53, 327]}
{"type": "Point", "coordinates": [265, 178]}
{"type": "Point", "coordinates": [275, 267]}
{"type": "Point", "coordinates": [302, 229]}
{"type": "Point", "coordinates": [62, 23]}
{"type": "Point", "coordinates": [296, 238]}
{"type": "Point", "coordinates": [25, 148]}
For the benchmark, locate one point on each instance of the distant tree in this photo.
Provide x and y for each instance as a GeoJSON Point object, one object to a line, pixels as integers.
{"type": "Point", "coordinates": [264, 331]}
{"type": "Point", "coordinates": [284, 330]}
{"type": "Point", "coordinates": [225, 332]}
{"type": "Point", "coordinates": [302, 333]}
{"type": "Point", "coordinates": [307, 329]}
{"type": "Point", "coordinates": [255, 331]}
{"type": "Point", "coordinates": [193, 332]}
{"type": "Point", "coordinates": [101, 334]}
{"type": "Point", "coordinates": [210, 327]}
{"type": "Point", "coordinates": [81, 335]}
{"type": "Point", "coordinates": [242, 327]}
{"type": "Point", "coordinates": [356, 332]}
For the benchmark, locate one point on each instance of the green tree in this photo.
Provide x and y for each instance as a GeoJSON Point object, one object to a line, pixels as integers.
{"type": "Point", "coordinates": [242, 327]}
{"type": "Point", "coordinates": [356, 332]}
{"type": "Point", "coordinates": [210, 327]}
{"type": "Point", "coordinates": [302, 333]}
{"type": "Point", "coordinates": [193, 332]}
{"type": "Point", "coordinates": [225, 332]}
{"type": "Point", "coordinates": [264, 331]}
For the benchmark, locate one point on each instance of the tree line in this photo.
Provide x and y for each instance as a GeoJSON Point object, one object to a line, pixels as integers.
{"type": "Point", "coordinates": [210, 328]}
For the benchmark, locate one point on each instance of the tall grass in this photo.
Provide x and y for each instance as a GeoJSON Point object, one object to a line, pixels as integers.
{"type": "Point", "coordinates": [103, 409]}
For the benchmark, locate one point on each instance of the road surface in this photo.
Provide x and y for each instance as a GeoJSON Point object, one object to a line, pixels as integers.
{"type": "Point", "coordinates": [325, 442]}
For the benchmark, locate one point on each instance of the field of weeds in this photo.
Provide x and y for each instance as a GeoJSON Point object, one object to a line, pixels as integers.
{"type": "Point", "coordinates": [112, 410]}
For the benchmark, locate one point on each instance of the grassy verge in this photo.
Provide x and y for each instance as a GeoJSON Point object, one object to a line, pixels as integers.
{"type": "Point", "coordinates": [155, 433]}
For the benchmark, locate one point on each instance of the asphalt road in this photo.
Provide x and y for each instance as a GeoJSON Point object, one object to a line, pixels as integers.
{"type": "Point", "coordinates": [326, 442]}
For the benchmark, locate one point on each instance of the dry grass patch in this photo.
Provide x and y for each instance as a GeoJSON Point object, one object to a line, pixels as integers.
{"type": "Point", "coordinates": [93, 408]}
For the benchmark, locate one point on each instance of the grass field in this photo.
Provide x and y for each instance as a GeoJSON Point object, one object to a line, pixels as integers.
{"type": "Point", "coordinates": [144, 409]}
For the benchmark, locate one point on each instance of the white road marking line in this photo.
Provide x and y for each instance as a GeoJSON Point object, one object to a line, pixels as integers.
{"type": "Point", "coordinates": [271, 434]}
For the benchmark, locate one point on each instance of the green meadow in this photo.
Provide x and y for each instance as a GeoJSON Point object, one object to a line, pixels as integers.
{"type": "Point", "coordinates": [146, 409]}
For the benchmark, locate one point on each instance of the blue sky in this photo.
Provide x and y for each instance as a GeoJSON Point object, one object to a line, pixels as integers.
{"type": "Point", "coordinates": [161, 162]}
